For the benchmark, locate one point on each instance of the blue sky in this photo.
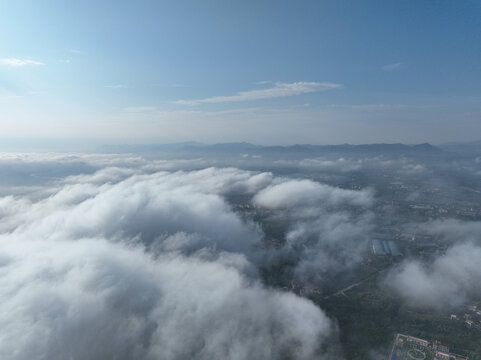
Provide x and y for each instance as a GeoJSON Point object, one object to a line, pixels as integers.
{"type": "Point", "coordinates": [268, 72]}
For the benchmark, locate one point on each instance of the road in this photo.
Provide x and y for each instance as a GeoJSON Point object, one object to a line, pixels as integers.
{"type": "Point", "coordinates": [347, 288]}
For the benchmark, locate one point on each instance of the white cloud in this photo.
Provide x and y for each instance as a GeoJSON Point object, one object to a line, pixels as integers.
{"type": "Point", "coordinates": [324, 237]}
{"type": "Point", "coordinates": [382, 107]}
{"type": "Point", "coordinates": [124, 197]}
{"type": "Point", "coordinates": [94, 299]}
{"type": "Point", "coordinates": [280, 89]}
{"type": "Point", "coordinates": [13, 62]}
{"type": "Point", "coordinates": [391, 67]}
{"type": "Point", "coordinates": [451, 280]}
{"type": "Point", "coordinates": [374, 107]}
{"type": "Point", "coordinates": [123, 264]}
{"type": "Point", "coordinates": [293, 193]}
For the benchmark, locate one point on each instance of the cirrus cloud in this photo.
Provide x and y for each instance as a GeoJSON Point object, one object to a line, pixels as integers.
{"type": "Point", "coordinates": [13, 62]}
{"type": "Point", "coordinates": [280, 89]}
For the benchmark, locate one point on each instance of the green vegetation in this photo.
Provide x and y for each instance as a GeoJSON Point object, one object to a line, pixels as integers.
{"type": "Point", "coordinates": [369, 318]}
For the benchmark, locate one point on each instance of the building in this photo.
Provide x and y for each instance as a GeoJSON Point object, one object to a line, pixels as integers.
{"type": "Point", "coordinates": [385, 248]}
{"type": "Point", "coordinates": [439, 355]}
{"type": "Point", "coordinates": [435, 350]}
{"type": "Point", "coordinates": [439, 346]}
{"type": "Point", "coordinates": [418, 341]}
{"type": "Point", "coordinates": [458, 357]}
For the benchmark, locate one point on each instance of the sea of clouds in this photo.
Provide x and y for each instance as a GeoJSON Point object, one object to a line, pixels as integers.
{"type": "Point", "coordinates": [119, 257]}
{"type": "Point", "coordinates": [106, 257]}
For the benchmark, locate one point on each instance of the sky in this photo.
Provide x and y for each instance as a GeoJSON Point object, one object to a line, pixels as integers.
{"type": "Point", "coordinates": [266, 72]}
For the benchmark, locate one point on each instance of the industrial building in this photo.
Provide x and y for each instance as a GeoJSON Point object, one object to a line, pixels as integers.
{"type": "Point", "coordinates": [386, 248]}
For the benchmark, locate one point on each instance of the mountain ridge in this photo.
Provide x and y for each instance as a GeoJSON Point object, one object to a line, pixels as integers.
{"type": "Point", "coordinates": [248, 147]}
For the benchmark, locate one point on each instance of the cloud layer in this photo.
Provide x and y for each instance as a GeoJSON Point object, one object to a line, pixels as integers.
{"type": "Point", "coordinates": [92, 299]}
{"type": "Point", "coordinates": [451, 278]}
{"type": "Point", "coordinates": [328, 229]}
{"type": "Point", "coordinates": [128, 263]}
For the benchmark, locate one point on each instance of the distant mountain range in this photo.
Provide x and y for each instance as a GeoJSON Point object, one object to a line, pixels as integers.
{"type": "Point", "coordinates": [229, 150]}
{"type": "Point", "coordinates": [247, 148]}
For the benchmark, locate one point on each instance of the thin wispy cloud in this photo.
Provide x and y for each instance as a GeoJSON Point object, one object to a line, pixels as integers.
{"type": "Point", "coordinates": [391, 67]}
{"type": "Point", "coordinates": [11, 97]}
{"type": "Point", "coordinates": [75, 51]}
{"type": "Point", "coordinates": [381, 107]}
{"type": "Point", "coordinates": [280, 89]}
{"type": "Point", "coordinates": [263, 82]}
{"type": "Point", "coordinates": [115, 86]}
{"type": "Point", "coordinates": [14, 62]}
